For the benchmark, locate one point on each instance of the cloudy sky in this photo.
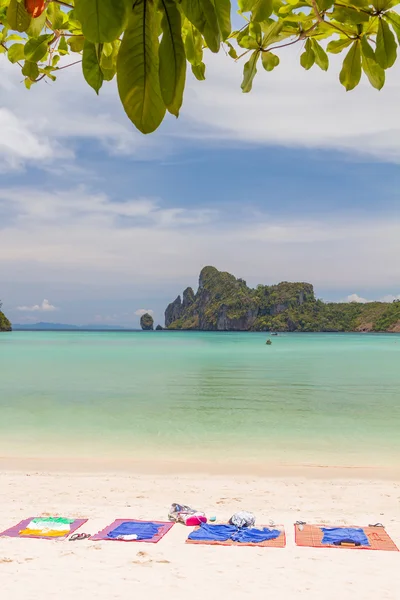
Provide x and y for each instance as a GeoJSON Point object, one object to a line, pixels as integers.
{"type": "Point", "coordinates": [298, 180]}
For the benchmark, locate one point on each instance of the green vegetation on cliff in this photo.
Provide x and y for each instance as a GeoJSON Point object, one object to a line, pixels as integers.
{"type": "Point", "coordinates": [5, 324]}
{"type": "Point", "coordinates": [224, 303]}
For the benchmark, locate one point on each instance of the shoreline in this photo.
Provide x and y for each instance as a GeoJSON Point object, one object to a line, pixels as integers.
{"type": "Point", "coordinates": [154, 466]}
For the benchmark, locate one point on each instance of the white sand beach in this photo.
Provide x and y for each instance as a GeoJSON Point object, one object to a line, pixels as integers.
{"type": "Point", "coordinates": [33, 569]}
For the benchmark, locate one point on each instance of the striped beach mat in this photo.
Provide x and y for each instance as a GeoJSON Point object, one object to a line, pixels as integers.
{"type": "Point", "coordinates": [133, 530]}
{"type": "Point", "coordinates": [312, 536]}
{"type": "Point", "coordinates": [44, 528]}
{"type": "Point", "coordinates": [278, 542]}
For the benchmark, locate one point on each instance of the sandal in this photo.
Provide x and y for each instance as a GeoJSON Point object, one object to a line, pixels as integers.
{"type": "Point", "coordinates": [79, 536]}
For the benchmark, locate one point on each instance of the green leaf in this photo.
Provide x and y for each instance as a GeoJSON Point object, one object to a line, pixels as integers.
{"type": "Point", "coordinates": [202, 14]}
{"type": "Point", "coordinates": [249, 71]}
{"type": "Point", "coordinates": [108, 49]}
{"type": "Point", "coordinates": [307, 59]}
{"type": "Point", "coordinates": [384, 4]}
{"type": "Point", "coordinates": [373, 71]}
{"type": "Point", "coordinates": [223, 10]}
{"type": "Point", "coordinates": [245, 5]}
{"type": "Point", "coordinates": [248, 42]}
{"type": "Point", "coordinates": [272, 32]}
{"type": "Point", "coordinates": [255, 30]}
{"type": "Point", "coordinates": [336, 46]}
{"type": "Point", "coordinates": [172, 58]}
{"type": "Point", "coordinates": [13, 37]}
{"type": "Point", "coordinates": [16, 53]}
{"type": "Point", "coordinates": [31, 70]}
{"type": "Point", "coordinates": [193, 46]}
{"type": "Point", "coordinates": [109, 62]}
{"type": "Point", "coordinates": [76, 43]}
{"type": "Point", "coordinates": [394, 20]}
{"type": "Point", "coordinates": [350, 15]}
{"type": "Point", "coordinates": [138, 69]}
{"type": "Point", "coordinates": [386, 47]}
{"type": "Point", "coordinates": [350, 74]}
{"type": "Point", "coordinates": [91, 65]}
{"type": "Point", "coordinates": [199, 71]}
{"type": "Point", "coordinates": [28, 83]}
{"type": "Point", "coordinates": [324, 4]}
{"type": "Point", "coordinates": [63, 46]}
{"type": "Point", "coordinates": [55, 15]}
{"type": "Point", "coordinates": [37, 24]}
{"type": "Point", "coordinates": [17, 16]}
{"type": "Point", "coordinates": [321, 57]}
{"type": "Point", "coordinates": [269, 61]}
{"type": "Point", "coordinates": [102, 20]}
{"type": "Point", "coordinates": [37, 48]}
{"type": "Point", "coordinates": [262, 9]}
{"type": "Point", "coordinates": [109, 74]}
{"type": "Point", "coordinates": [232, 52]}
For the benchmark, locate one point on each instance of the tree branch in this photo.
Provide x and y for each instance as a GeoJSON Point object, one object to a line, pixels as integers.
{"type": "Point", "coordinates": [70, 65]}
{"type": "Point", "coordinates": [298, 39]}
{"type": "Point", "coordinates": [316, 11]}
{"type": "Point", "coordinates": [62, 3]}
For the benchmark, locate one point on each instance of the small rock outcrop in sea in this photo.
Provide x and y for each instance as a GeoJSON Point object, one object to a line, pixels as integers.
{"type": "Point", "coordinates": [159, 328]}
{"type": "Point", "coordinates": [224, 303]}
{"type": "Point", "coordinates": [147, 322]}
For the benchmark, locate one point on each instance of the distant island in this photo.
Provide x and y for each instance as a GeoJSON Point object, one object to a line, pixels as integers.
{"type": "Point", "coordinates": [65, 327]}
{"type": "Point", "coordinates": [5, 324]}
{"type": "Point", "coordinates": [224, 303]}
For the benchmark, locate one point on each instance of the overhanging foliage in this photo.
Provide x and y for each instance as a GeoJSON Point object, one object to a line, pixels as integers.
{"type": "Point", "coordinates": [147, 44]}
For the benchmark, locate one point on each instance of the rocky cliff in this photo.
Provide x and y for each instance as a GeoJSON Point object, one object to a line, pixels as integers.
{"type": "Point", "coordinates": [5, 324]}
{"type": "Point", "coordinates": [147, 322]}
{"type": "Point", "coordinates": [224, 303]}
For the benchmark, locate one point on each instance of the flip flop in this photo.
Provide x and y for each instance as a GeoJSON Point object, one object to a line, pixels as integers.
{"type": "Point", "coordinates": [79, 536]}
{"type": "Point", "coordinates": [300, 525]}
{"type": "Point", "coordinates": [376, 525]}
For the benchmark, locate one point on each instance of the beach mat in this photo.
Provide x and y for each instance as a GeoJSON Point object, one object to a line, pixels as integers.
{"type": "Point", "coordinates": [312, 536]}
{"type": "Point", "coordinates": [44, 528]}
{"type": "Point", "coordinates": [278, 542]}
{"type": "Point", "coordinates": [162, 528]}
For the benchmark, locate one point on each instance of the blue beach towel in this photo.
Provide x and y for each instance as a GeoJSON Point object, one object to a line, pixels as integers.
{"type": "Point", "coordinates": [335, 535]}
{"type": "Point", "coordinates": [255, 536]}
{"type": "Point", "coordinates": [143, 531]}
{"type": "Point", "coordinates": [223, 533]}
{"type": "Point", "coordinates": [213, 533]}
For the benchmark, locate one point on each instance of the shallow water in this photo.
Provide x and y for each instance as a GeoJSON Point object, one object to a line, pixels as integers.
{"type": "Point", "coordinates": [306, 399]}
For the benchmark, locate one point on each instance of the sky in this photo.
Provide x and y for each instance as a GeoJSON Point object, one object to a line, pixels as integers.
{"type": "Point", "coordinates": [296, 181]}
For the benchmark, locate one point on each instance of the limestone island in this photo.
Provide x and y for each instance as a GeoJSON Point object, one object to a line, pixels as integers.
{"type": "Point", "coordinates": [224, 303]}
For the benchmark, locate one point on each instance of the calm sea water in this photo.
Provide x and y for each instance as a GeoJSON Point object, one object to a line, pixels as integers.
{"type": "Point", "coordinates": [306, 399]}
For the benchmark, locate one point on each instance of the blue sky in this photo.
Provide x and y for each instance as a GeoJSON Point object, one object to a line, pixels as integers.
{"type": "Point", "coordinates": [298, 181]}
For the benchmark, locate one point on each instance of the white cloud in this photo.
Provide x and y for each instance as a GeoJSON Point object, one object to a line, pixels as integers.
{"type": "Point", "coordinates": [295, 108]}
{"type": "Point", "coordinates": [45, 306]}
{"type": "Point", "coordinates": [356, 298]}
{"type": "Point", "coordinates": [40, 124]}
{"type": "Point", "coordinates": [142, 311]}
{"type": "Point", "coordinates": [18, 144]}
{"type": "Point", "coordinates": [72, 235]}
{"type": "Point", "coordinates": [390, 298]}
{"type": "Point", "coordinates": [287, 107]}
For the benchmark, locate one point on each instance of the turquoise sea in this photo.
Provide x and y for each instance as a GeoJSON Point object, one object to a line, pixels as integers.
{"type": "Point", "coordinates": [306, 399]}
